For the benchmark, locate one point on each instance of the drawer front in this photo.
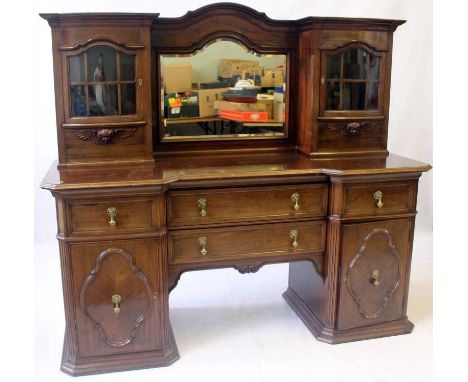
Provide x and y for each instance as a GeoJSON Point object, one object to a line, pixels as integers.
{"type": "Point", "coordinates": [118, 296]}
{"type": "Point", "coordinates": [266, 240]}
{"type": "Point", "coordinates": [112, 215]}
{"type": "Point", "coordinates": [374, 272]}
{"type": "Point", "coordinates": [379, 198]}
{"type": "Point", "coordinates": [351, 136]}
{"type": "Point", "coordinates": [246, 204]}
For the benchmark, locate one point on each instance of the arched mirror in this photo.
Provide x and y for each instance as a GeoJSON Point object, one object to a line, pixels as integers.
{"type": "Point", "coordinates": [223, 91]}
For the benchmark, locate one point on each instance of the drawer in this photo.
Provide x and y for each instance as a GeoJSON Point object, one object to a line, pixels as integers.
{"type": "Point", "coordinates": [264, 240]}
{"type": "Point", "coordinates": [246, 204]}
{"type": "Point", "coordinates": [111, 215]}
{"type": "Point", "coordinates": [379, 198]}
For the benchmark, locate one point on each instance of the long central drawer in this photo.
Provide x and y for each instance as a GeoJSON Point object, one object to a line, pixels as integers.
{"type": "Point", "coordinates": [262, 240]}
{"type": "Point", "coordinates": [229, 205]}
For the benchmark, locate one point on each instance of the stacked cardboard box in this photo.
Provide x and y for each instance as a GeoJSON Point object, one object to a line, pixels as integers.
{"type": "Point", "coordinates": [177, 78]}
{"type": "Point", "coordinates": [232, 70]}
{"type": "Point", "coordinates": [272, 77]}
{"type": "Point", "coordinates": [207, 99]}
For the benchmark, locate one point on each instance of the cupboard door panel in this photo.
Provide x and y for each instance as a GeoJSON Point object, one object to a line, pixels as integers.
{"type": "Point", "coordinates": [117, 287]}
{"type": "Point", "coordinates": [374, 265]}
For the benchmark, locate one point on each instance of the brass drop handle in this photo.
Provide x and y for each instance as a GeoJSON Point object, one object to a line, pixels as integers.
{"type": "Point", "coordinates": [202, 245]}
{"type": "Point", "coordinates": [116, 299]}
{"type": "Point", "coordinates": [112, 213]}
{"type": "Point", "coordinates": [202, 206]}
{"type": "Point", "coordinates": [375, 278]}
{"type": "Point", "coordinates": [378, 196]}
{"type": "Point", "coordinates": [294, 235]}
{"type": "Point", "coordinates": [295, 199]}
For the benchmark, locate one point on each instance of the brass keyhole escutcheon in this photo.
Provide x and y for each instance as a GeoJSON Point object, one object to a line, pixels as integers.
{"type": "Point", "coordinates": [378, 197]}
{"type": "Point", "coordinates": [202, 245]}
{"type": "Point", "coordinates": [295, 199]}
{"type": "Point", "coordinates": [112, 213]}
{"type": "Point", "coordinates": [140, 82]}
{"type": "Point", "coordinates": [202, 206]}
{"type": "Point", "coordinates": [375, 278]}
{"type": "Point", "coordinates": [294, 235]}
{"type": "Point", "coordinates": [116, 299]}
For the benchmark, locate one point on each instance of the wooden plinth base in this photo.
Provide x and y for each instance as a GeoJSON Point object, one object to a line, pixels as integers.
{"type": "Point", "coordinates": [332, 336]}
{"type": "Point", "coordinates": [119, 362]}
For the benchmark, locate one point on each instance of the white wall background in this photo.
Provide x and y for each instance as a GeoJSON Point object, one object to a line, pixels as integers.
{"type": "Point", "coordinates": [253, 334]}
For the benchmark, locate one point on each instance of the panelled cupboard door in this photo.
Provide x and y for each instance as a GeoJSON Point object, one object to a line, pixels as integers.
{"type": "Point", "coordinates": [117, 289]}
{"type": "Point", "coordinates": [374, 270]}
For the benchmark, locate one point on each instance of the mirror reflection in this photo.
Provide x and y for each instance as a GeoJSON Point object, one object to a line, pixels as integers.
{"type": "Point", "coordinates": [222, 91]}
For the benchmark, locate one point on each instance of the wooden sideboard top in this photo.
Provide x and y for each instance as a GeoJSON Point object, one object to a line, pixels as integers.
{"type": "Point", "coordinates": [242, 166]}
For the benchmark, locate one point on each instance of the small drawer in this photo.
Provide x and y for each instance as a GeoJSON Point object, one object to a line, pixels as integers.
{"type": "Point", "coordinates": [229, 205]}
{"type": "Point", "coordinates": [234, 243]}
{"type": "Point", "coordinates": [113, 215]}
{"type": "Point", "coordinates": [365, 199]}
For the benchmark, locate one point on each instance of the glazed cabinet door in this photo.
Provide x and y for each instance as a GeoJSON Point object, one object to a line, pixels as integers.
{"type": "Point", "coordinates": [119, 296]}
{"type": "Point", "coordinates": [353, 91]}
{"type": "Point", "coordinates": [103, 82]}
{"type": "Point", "coordinates": [352, 81]}
{"type": "Point", "coordinates": [374, 272]}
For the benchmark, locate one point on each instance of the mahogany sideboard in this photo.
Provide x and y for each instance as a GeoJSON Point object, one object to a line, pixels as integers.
{"type": "Point", "coordinates": [142, 197]}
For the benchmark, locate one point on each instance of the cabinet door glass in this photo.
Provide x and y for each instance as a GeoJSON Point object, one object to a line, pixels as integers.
{"type": "Point", "coordinates": [102, 83]}
{"type": "Point", "coordinates": [352, 80]}
{"type": "Point", "coordinates": [373, 95]}
{"type": "Point", "coordinates": [355, 64]}
{"type": "Point", "coordinates": [354, 94]}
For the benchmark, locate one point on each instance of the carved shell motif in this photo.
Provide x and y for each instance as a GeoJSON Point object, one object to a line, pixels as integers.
{"type": "Point", "coordinates": [104, 136]}
{"type": "Point", "coordinates": [377, 256]}
{"type": "Point", "coordinates": [115, 273]}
